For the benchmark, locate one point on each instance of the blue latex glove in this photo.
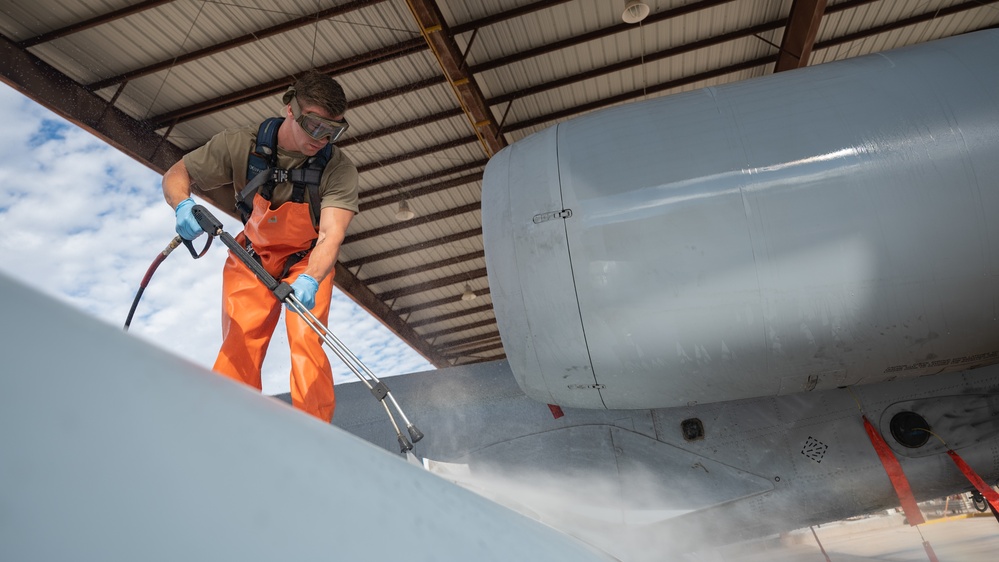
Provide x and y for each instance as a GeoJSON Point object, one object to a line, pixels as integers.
{"type": "Point", "coordinates": [187, 226]}
{"type": "Point", "coordinates": [305, 288]}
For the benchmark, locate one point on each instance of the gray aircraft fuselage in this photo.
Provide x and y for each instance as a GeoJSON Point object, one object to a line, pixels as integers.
{"type": "Point", "coordinates": [715, 287]}
{"type": "Point", "coordinates": [632, 484]}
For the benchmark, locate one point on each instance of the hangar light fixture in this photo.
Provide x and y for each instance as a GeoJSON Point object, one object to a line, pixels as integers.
{"type": "Point", "coordinates": [469, 294]}
{"type": "Point", "coordinates": [404, 213]}
{"type": "Point", "coordinates": [635, 11]}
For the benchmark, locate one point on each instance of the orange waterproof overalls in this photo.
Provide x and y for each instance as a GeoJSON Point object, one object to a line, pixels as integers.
{"type": "Point", "coordinates": [250, 311]}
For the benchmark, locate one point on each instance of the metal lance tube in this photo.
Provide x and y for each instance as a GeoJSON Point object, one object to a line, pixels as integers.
{"type": "Point", "coordinates": [284, 293]}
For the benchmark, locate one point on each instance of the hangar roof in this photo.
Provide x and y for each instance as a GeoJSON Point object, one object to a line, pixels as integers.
{"type": "Point", "coordinates": [435, 88]}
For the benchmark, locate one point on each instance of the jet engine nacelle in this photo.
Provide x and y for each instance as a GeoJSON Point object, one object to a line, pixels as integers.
{"type": "Point", "coordinates": [824, 227]}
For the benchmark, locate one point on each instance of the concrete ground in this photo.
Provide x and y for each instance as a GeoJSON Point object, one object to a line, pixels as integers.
{"type": "Point", "coordinates": [953, 539]}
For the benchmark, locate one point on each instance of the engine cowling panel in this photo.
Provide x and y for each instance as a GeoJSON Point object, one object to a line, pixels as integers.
{"type": "Point", "coordinates": [812, 229]}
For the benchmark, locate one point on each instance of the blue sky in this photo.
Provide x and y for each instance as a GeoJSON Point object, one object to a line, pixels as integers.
{"type": "Point", "coordinates": [82, 222]}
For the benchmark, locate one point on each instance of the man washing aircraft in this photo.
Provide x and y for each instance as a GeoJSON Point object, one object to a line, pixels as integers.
{"type": "Point", "coordinates": [295, 221]}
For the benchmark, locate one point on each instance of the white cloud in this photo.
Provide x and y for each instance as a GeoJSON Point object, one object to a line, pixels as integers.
{"type": "Point", "coordinates": [82, 222]}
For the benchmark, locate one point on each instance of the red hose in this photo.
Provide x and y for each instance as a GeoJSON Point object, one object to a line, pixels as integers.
{"type": "Point", "coordinates": [149, 274]}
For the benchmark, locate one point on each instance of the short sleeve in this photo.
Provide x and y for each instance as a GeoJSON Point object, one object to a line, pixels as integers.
{"type": "Point", "coordinates": [339, 187]}
{"type": "Point", "coordinates": [211, 165]}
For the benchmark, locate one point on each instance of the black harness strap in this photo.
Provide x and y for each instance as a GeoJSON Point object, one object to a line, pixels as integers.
{"type": "Point", "coordinates": [263, 174]}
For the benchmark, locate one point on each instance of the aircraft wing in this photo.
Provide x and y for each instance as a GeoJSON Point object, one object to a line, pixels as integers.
{"type": "Point", "coordinates": [113, 449]}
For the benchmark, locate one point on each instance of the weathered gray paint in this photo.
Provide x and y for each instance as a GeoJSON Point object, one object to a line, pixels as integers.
{"type": "Point", "coordinates": [813, 229]}
{"type": "Point", "coordinates": [627, 481]}
{"type": "Point", "coordinates": [111, 449]}
{"type": "Point", "coordinates": [544, 334]}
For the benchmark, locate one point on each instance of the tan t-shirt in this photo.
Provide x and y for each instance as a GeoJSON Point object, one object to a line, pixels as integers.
{"type": "Point", "coordinates": [222, 162]}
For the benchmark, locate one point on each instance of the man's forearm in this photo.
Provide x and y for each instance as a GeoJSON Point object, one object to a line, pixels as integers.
{"type": "Point", "coordinates": [322, 259]}
{"type": "Point", "coordinates": [333, 223]}
{"type": "Point", "coordinates": [176, 184]}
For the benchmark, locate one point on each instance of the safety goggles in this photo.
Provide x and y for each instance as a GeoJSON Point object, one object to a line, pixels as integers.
{"type": "Point", "coordinates": [316, 126]}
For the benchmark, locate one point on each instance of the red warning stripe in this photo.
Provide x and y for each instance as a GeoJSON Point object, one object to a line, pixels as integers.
{"type": "Point", "coordinates": [929, 552]}
{"type": "Point", "coordinates": [990, 495]}
{"type": "Point", "coordinates": [895, 474]}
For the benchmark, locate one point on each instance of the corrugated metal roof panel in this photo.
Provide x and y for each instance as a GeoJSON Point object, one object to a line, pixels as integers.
{"type": "Point", "coordinates": [405, 161]}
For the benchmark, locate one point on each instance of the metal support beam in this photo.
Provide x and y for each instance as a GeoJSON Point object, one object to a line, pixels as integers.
{"type": "Point", "coordinates": [640, 92]}
{"type": "Point", "coordinates": [373, 192]}
{"type": "Point", "coordinates": [415, 154]}
{"type": "Point", "coordinates": [384, 131]}
{"type": "Point", "coordinates": [451, 316]}
{"type": "Point", "coordinates": [34, 78]}
{"type": "Point", "coordinates": [902, 23]}
{"type": "Point", "coordinates": [456, 279]}
{"type": "Point", "coordinates": [473, 351]}
{"type": "Point", "coordinates": [306, 20]}
{"type": "Point", "coordinates": [452, 346]}
{"type": "Point", "coordinates": [389, 254]}
{"type": "Point", "coordinates": [462, 328]}
{"type": "Point", "coordinates": [638, 61]}
{"type": "Point", "coordinates": [360, 294]}
{"type": "Point", "coordinates": [471, 360]}
{"type": "Point", "coordinates": [420, 191]}
{"type": "Point", "coordinates": [363, 60]}
{"type": "Point", "coordinates": [274, 87]}
{"type": "Point", "coordinates": [799, 34]}
{"type": "Point", "coordinates": [448, 213]}
{"type": "Point", "coordinates": [435, 30]}
{"type": "Point", "coordinates": [509, 97]}
{"type": "Point", "coordinates": [507, 15]}
{"type": "Point", "coordinates": [476, 255]}
{"type": "Point", "coordinates": [439, 302]}
{"type": "Point", "coordinates": [92, 22]}
{"type": "Point", "coordinates": [597, 34]}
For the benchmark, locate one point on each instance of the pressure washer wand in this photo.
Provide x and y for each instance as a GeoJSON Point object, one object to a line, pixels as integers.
{"type": "Point", "coordinates": [379, 389]}
{"type": "Point", "coordinates": [284, 293]}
